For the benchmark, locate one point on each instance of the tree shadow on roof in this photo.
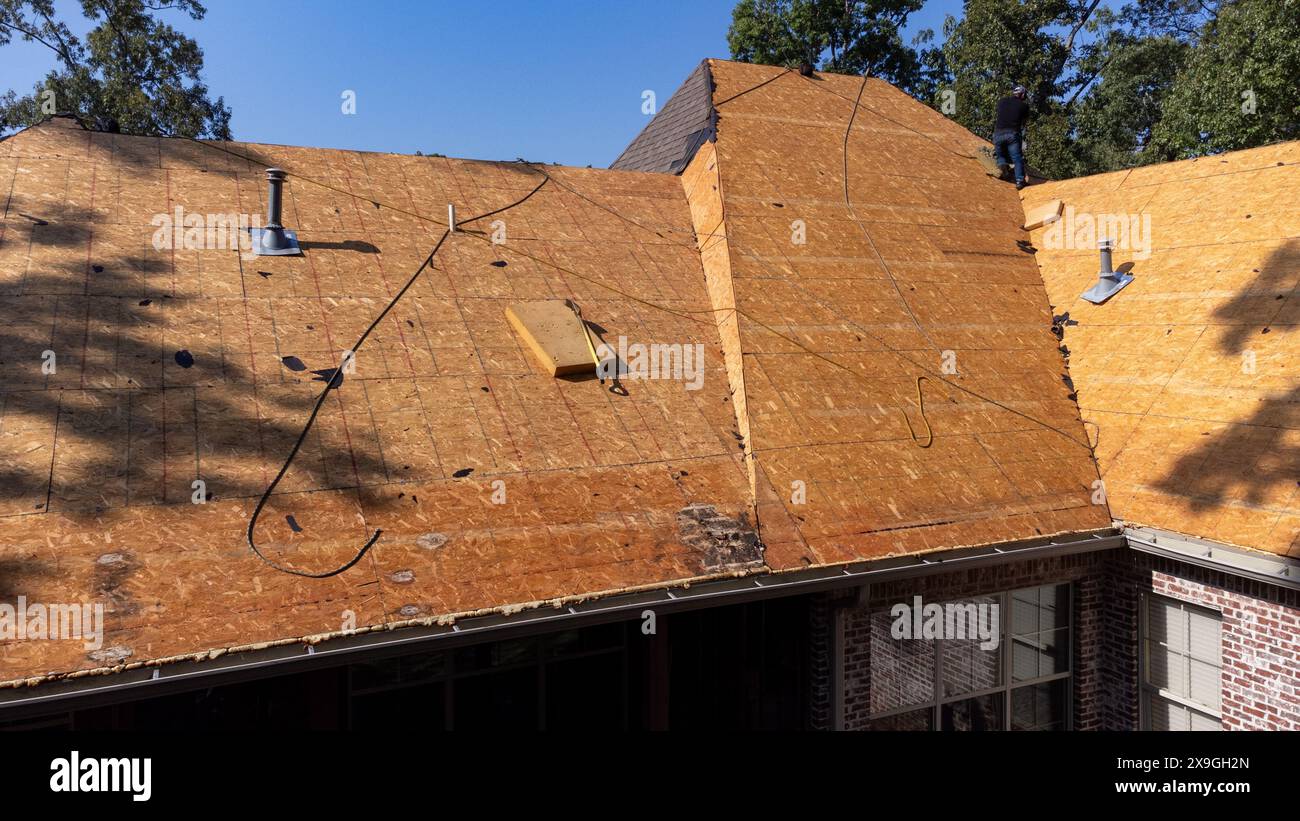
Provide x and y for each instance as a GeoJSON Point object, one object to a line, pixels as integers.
{"type": "Point", "coordinates": [1273, 288]}
{"type": "Point", "coordinates": [1253, 460]}
{"type": "Point", "coordinates": [107, 402]}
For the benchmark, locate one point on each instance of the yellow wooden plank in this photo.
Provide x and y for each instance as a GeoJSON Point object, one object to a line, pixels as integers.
{"type": "Point", "coordinates": [1045, 214]}
{"type": "Point", "coordinates": [554, 335]}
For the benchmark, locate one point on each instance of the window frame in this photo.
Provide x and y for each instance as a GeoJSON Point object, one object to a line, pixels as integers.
{"type": "Point", "coordinates": [1147, 690]}
{"type": "Point", "coordinates": [1005, 643]}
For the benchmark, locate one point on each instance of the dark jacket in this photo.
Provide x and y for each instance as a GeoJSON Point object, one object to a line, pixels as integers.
{"type": "Point", "coordinates": [1012, 114]}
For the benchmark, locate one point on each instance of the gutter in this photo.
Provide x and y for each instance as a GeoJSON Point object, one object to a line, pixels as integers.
{"type": "Point", "coordinates": [233, 667]}
{"type": "Point", "coordinates": [1279, 571]}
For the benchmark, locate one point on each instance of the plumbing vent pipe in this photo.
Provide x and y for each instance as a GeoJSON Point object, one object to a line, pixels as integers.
{"type": "Point", "coordinates": [1109, 282]}
{"type": "Point", "coordinates": [273, 239]}
{"type": "Point", "coordinates": [274, 197]}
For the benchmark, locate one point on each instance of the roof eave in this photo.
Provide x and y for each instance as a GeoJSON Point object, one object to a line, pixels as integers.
{"type": "Point", "coordinates": [233, 667]}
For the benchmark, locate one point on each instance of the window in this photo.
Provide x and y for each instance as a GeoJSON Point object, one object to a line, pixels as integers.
{"type": "Point", "coordinates": [956, 684]}
{"type": "Point", "coordinates": [1181, 665]}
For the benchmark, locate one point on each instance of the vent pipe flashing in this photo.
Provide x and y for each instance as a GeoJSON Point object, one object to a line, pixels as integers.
{"type": "Point", "coordinates": [1109, 282]}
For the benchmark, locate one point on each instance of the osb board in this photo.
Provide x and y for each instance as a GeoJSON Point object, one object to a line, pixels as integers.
{"type": "Point", "coordinates": [1045, 214]}
{"type": "Point", "coordinates": [100, 455]}
{"type": "Point", "coordinates": [703, 188]}
{"type": "Point", "coordinates": [554, 335]}
{"type": "Point", "coordinates": [1188, 378]}
{"type": "Point", "coordinates": [835, 331]}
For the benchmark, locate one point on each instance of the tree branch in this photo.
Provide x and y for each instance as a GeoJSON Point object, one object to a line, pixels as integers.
{"type": "Point", "coordinates": [1069, 41]}
{"type": "Point", "coordinates": [1088, 82]}
{"type": "Point", "coordinates": [60, 49]}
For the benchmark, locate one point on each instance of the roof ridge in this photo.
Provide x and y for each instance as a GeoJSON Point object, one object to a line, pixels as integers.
{"type": "Point", "coordinates": [250, 143]}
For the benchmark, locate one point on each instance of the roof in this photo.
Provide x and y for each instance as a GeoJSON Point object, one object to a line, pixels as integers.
{"type": "Point", "coordinates": [1188, 378]}
{"type": "Point", "coordinates": [604, 492]}
{"type": "Point", "coordinates": [913, 290]}
{"type": "Point", "coordinates": [887, 385]}
{"type": "Point", "coordinates": [675, 133]}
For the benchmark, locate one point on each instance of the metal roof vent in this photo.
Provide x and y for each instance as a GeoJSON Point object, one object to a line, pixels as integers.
{"type": "Point", "coordinates": [274, 239]}
{"type": "Point", "coordinates": [1109, 282]}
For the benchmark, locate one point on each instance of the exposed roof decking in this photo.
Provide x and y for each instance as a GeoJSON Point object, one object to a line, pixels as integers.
{"type": "Point", "coordinates": [1013, 467]}
{"type": "Point", "coordinates": [1189, 377]}
{"type": "Point", "coordinates": [812, 351]}
{"type": "Point", "coordinates": [100, 455]}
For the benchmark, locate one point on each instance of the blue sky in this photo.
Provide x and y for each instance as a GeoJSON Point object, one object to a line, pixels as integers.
{"type": "Point", "coordinates": [552, 81]}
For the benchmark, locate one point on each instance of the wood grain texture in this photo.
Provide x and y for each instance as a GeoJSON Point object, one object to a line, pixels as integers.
{"type": "Point", "coordinates": [840, 310]}
{"type": "Point", "coordinates": [495, 484]}
{"type": "Point", "coordinates": [553, 335]}
{"type": "Point", "coordinates": [1188, 378]}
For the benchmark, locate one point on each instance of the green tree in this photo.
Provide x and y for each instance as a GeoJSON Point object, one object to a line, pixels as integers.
{"type": "Point", "coordinates": [1048, 46]}
{"type": "Point", "coordinates": [1240, 86]}
{"type": "Point", "coordinates": [1183, 78]}
{"type": "Point", "coordinates": [1112, 124]}
{"type": "Point", "coordinates": [135, 73]}
{"type": "Point", "coordinates": [1152, 81]}
{"type": "Point", "coordinates": [846, 36]}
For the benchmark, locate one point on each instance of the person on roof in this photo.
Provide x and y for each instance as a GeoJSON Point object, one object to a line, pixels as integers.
{"type": "Point", "coordinates": [1008, 132]}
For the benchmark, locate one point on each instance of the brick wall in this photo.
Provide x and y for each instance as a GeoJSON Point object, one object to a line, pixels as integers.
{"type": "Point", "coordinates": [821, 661]}
{"type": "Point", "coordinates": [1087, 572]}
{"type": "Point", "coordinates": [1091, 672]}
{"type": "Point", "coordinates": [1261, 637]}
{"type": "Point", "coordinates": [1119, 641]}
